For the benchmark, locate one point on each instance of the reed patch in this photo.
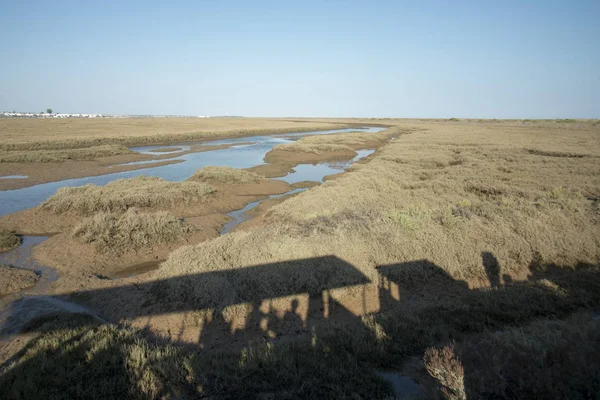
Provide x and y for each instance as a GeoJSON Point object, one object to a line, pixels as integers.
{"type": "Point", "coordinates": [123, 232]}
{"type": "Point", "coordinates": [122, 194]}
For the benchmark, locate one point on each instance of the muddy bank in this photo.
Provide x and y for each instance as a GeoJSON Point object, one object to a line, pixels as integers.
{"type": "Point", "coordinates": [258, 216]}
{"type": "Point", "coordinates": [15, 279]}
{"type": "Point", "coordinates": [272, 170]}
{"type": "Point", "coordinates": [293, 156]}
{"type": "Point", "coordinates": [68, 254]}
{"type": "Point", "coordinates": [166, 150]}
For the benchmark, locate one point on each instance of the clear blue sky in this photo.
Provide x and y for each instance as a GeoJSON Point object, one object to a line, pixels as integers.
{"type": "Point", "coordinates": [494, 59]}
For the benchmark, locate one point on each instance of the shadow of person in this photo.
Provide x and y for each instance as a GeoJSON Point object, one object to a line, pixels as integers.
{"type": "Point", "coordinates": [292, 322]}
{"type": "Point", "coordinates": [492, 268]}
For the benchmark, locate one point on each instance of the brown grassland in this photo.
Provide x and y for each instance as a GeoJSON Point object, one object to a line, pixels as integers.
{"type": "Point", "coordinates": [464, 254]}
{"type": "Point", "coordinates": [37, 134]}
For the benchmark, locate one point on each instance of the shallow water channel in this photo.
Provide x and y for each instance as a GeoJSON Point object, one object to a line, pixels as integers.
{"type": "Point", "coordinates": [236, 156]}
{"type": "Point", "coordinates": [21, 258]}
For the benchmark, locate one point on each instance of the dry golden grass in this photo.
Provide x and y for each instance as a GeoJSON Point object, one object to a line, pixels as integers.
{"type": "Point", "coordinates": [45, 134]}
{"type": "Point", "coordinates": [122, 232]}
{"type": "Point", "coordinates": [225, 176]}
{"type": "Point", "coordinates": [447, 194]}
{"type": "Point", "coordinates": [15, 279]}
{"type": "Point", "coordinates": [122, 194]}
{"type": "Point", "coordinates": [8, 240]}
{"type": "Point", "coordinates": [86, 153]}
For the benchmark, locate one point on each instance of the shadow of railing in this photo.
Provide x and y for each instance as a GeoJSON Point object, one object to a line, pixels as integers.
{"type": "Point", "coordinates": [410, 306]}
{"type": "Point", "coordinates": [269, 299]}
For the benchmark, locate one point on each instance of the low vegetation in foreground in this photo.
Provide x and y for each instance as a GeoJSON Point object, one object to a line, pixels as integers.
{"type": "Point", "coordinates": [122, 194]}
{"type": "Point", "coordinates": [8, 240]}
{"type": "Point", "coordinates": [14, 279]}
{"type": "Point", "coordinates": [511, 342]}
{"type": "Point", "coordinates": [546, 359]}
{"type": "Point", "coordinates": [225, 176]}
{"type": "Point", "coordinates": [132, 230]}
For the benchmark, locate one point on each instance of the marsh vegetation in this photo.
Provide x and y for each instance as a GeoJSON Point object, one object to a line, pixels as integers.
{"type": "Point", "coordinates": [464, 254]}
{"type": "Point", "coordinates": [131, 230]}
{"type": "Point", "coordinates": [122, 194]}
{"type": "Point", "coordinates": [8, 240]}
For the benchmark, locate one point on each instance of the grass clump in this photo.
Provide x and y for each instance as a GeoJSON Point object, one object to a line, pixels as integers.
{"type": "Point", "coordinates": [225, 175]}
{"type": "Point", "coordinates": [410, 219]}
{"type": "Point", "coordinates": [313, 148]}
{"type": "Point", "coordinates": [566, 121]}
{"type": "Point", "coordinates": [122, 194]}
{"type": "Point", "coordinates": [15, 279]}
{"type": "Point", "coordinates": [8, 240]}
{"type": "Point", "coordinates": [132, 230]}
{"type": "Point", "coordinates": [546, 359]}
{"type": "Point", "coordinates": [74, 357]}
{"type": "Point", "coordinates": [55, 156]}
{"type": "Point", "coordinates": [448, 371]}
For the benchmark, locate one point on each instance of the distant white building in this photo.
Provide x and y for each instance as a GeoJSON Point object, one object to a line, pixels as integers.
{"type": "Point", "coordinates": [7, 114]}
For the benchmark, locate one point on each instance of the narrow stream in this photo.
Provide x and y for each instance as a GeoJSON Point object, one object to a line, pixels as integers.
{"type": "Point", "coordinates": [21, 258]}
{"type": "Point", "coordinates": [242, 215]}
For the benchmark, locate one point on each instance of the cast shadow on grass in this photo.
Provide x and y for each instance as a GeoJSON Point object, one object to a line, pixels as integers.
{"type": "Point", "coordinates": [312, 328]}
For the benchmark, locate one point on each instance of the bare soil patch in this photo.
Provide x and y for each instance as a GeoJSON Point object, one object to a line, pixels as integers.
{"type": "Point", "coordinates": [166, 150]}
